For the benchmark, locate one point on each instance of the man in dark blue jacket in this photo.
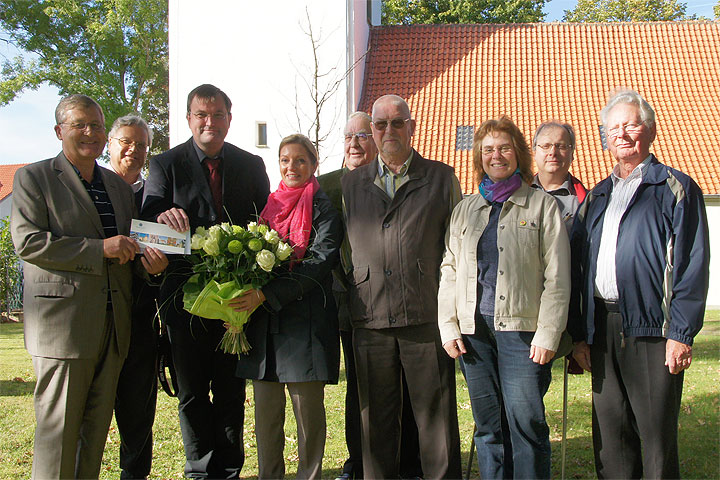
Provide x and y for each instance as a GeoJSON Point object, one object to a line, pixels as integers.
{"type": "Point", "coordinates": [640, 258]}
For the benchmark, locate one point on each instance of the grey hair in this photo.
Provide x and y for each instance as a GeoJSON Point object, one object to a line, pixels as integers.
{"type": "Point", "coordinates": [131, 121]}
{"type": "Point", "coordinates": [629, 96]}
{"type": "Point", "coordinates": [555, 124]}
{"type": "Point", "coordinates": [394, 100]}
{"type": "Point", "coordinates": [362, 115]}
{"type": "Point", "coordinates": [74, 101]}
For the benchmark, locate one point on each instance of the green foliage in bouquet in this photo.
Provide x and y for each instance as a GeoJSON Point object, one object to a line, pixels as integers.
{"type": "Point", "coordinates": [229, 260]}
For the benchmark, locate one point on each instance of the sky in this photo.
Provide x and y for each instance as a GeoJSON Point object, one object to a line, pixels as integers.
{"type": "Point", "coordinates": [27, 122]}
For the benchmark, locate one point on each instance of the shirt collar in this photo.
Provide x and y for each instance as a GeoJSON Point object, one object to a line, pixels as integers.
{"type": "Point", "coordinates": [384, 170]}
{"type": "Point", "coordinates": [202, 156]}
{"type": "Point", "coordinates": [96, 178]}
{"type": "Point", "coordinates": [565, 186]}
{"type": "Point", "coordinates": [635, 174]}
{"type": "Point", "coordinates": [136, 185]}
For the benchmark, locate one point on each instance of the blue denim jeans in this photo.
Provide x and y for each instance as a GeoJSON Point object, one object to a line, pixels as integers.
{"type": "Point", "coordinates": [506, 394]}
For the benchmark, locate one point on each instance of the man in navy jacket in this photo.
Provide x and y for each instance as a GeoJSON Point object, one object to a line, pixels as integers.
{"type": "Point", "coordinates": [640, 258]}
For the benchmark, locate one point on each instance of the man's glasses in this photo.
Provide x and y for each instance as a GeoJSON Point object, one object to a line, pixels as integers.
{"type": "Point", "coordinates": [127, 143]}
{"type": "Point", "coordinates": [628, 128]}
{"type": "Point", "coordinates": [563, 147]}
{"type": "Point", "coordinates": [396, 123]}
{"type": "Point", "coordinates": [503, 149]}
{"type": "Point", "coordinates": [204, 116]}
{"type": "Point", "coordinates": [362, 137]}
{"type": "Point", "coordinates": [94, 126]}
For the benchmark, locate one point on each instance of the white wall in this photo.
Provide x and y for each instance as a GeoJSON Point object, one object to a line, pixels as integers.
{"type": "Point", "coordinates": [5, 206]}
{"type": "Point", "coordinates": [258, 54]}
{"type": "Point", "coordinates": [712, 204]}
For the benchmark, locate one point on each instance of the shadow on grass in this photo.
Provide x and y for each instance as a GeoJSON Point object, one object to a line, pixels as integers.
{"type": "Point", "coordinates": [14, 388]}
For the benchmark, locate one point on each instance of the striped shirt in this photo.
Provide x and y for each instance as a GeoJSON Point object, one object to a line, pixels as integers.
{"type": "Point", "coordinates": [622, 192]}
{"type": "Point", "coordinates": [99, 196]}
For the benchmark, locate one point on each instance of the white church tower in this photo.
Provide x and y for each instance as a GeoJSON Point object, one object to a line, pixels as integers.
{"type": "Point", "coordinates": [268, 56]}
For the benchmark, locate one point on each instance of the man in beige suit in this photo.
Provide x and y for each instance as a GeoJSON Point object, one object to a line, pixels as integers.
{"type": "Point", "coordinates": [70, 221]}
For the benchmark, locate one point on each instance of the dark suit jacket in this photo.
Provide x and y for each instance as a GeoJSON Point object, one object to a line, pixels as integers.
{"type": "Point", "coordinates": [57, 231]}
{"type": "Point", "coordinates": [177, 179]}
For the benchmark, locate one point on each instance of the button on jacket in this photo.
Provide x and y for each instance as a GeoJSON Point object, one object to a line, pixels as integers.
{"type": "Point", "coordinates": [533, 278]}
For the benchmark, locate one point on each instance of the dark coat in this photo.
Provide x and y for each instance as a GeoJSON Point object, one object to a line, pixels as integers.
{"type": "Point", "coordinates": [294, 334]}
{"type": "Point", "coordinates": [397, 244]}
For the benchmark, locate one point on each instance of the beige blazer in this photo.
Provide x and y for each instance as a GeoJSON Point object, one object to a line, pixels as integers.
{"type": "Point", "coordinates": [57, 231]}
{"type": "Point", "coordinates": [533, 283]}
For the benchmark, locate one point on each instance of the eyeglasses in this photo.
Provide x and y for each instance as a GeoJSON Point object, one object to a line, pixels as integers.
{"type": "Point", "coordinates": [360, 136]}
{"type": "Point", "coordinates": [127, 143]}
{"type": "Point", "coordinates": [94, 126]}
{"type": "Point", "coordinates": [503, 149]}
{"type": "Point", "coordinates": [204, 116]}
{"type": "Point", "coordinates": [628, 128]}
{"type": "Point", "coordinates": [396, 123]}
{"type": "Point", "coordinates": [563, 147]}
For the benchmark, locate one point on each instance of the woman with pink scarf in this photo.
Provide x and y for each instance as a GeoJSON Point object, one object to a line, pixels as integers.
{"type": "Point", "coordinates": [294, 334]}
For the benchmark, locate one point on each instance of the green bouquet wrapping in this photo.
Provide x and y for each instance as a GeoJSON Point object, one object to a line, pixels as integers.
{"type": "Point", "coordinates": [228, 260]}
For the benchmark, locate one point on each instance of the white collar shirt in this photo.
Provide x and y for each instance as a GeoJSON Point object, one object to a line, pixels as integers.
{"type": "Point", "coordinates": [622, 192]}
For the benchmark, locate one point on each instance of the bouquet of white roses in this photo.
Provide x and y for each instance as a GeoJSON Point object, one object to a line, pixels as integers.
{"type": "Point", "coordinates": [228, 261]}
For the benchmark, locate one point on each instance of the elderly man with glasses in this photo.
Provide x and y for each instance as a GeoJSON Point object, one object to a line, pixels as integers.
{"type": "Point", "coordinates": [397, 209]}
{"type": "Point", "coordinates": [640, 257]}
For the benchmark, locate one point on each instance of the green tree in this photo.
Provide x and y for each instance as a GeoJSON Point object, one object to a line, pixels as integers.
{"type": "Point", "coordinates": [10, 273]}
{"type": "Point", "coordinates": [716, 9]}
{"type": "Point", "coordinates": [116, 51]}
{"type": "Point", "coordinates": [627, 11]}
{"type": "Point", "coordinates": [407, 12]}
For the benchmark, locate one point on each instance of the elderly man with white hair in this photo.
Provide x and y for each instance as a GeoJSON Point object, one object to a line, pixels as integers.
{"type": "Point", "coordinates": [640, 258]}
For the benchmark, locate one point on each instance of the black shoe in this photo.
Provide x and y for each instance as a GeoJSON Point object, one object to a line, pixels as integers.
{"type": "Point", "coordinates": [344, 476]}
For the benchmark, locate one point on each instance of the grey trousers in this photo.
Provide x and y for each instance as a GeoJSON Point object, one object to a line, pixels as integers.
{"type": "Point", "coordinates": [74, 401]}
{"type": "Point", "coordinates": [308, 401]}
{"type": "Point", "coordinates": [636, 403]}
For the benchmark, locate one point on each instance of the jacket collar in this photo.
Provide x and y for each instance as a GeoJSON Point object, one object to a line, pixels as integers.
{"type": "Point", "coordinates": [654, 174]}
{"type": "Point", "coordinates": [67, 175]}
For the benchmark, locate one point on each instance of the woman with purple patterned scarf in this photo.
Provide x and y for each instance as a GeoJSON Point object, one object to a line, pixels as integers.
{"type": "Point", "coordinates": [503, 301]}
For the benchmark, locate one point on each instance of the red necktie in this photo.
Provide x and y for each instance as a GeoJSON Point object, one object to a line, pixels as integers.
{"type": "Point", "coordinates": [215, 180]}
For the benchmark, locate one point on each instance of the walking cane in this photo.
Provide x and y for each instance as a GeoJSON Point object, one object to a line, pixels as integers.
{"type": "Point", "coordinates": [563, 443]}
{"type": "Point", "coordinates": [472, 453]}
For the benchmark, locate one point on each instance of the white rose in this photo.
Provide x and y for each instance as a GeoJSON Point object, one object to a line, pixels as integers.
{"type": "Point", "coordinates": [252, 227]}
{"type": "Point", "coordinates": [197, 241]}
{"type": "Point", "coordinates": [283, 251]}
{"type": "Point", "coordinates": [266, 260]}
{"type": "Point", "coordinates": [272, 237]}
{"type": "Point", "coordinates": [211, 247]}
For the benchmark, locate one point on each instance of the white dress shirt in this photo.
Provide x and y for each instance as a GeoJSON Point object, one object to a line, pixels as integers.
{"type": "Point", "coordinates": [622, 192]}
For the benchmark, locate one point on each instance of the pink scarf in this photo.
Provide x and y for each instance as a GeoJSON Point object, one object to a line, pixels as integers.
{"type": "Point", "coordinates": [289, 212]}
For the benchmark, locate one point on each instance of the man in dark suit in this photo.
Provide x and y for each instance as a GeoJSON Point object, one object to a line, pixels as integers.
{"type": "Point", "coordinates": [70, 224]}
{"type": "Point", "coordinates": [129, 140]}
{"type": "Point", "coordinates": [203, 182]}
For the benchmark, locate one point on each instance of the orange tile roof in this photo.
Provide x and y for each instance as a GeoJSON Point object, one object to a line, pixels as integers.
{"type": "Point", "coordinates": [7, 175]}
{"type": "Point", "coordinates": [454, 75]}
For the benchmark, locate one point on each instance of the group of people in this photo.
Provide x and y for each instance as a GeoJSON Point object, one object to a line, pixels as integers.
{"type": "Point", "coordinates": [389, 259]}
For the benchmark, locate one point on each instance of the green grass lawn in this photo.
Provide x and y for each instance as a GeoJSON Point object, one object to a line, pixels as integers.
{"type": "Point", "coordinates": [699, 427]}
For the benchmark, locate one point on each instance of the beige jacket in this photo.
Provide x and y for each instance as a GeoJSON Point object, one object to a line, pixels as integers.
{"type": "Point", "coordinates": [533, 278]}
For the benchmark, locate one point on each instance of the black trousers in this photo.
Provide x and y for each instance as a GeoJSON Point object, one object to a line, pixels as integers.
{"type": "Point", "coordinates": [212, 430]}
{"type": "Point", "coordinates": [410, 465]}
{"type": "Point", "coordinates": [136, 395]}
{"type": "Point", "coordinates": [636, 402]}
{"type": "Point", "coordinates": [382, 356]}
